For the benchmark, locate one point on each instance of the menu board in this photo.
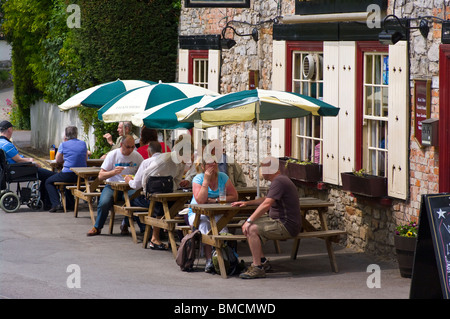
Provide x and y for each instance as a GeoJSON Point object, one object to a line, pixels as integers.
{"type": "Point", "coordinates": [431, 270]}
{"type": "Point", "coordinates": [422, 92]}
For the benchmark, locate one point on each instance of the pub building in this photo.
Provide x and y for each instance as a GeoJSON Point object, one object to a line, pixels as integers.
{"type": "Point", "coordinates": [385, 64]}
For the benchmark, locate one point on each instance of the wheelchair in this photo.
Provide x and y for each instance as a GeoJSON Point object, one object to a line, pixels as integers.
{"type": "Point", "coordinates": [19, 173]}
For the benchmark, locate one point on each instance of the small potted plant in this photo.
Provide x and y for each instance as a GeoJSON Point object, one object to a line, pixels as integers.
{"type": "Point", "coordinates": [304, 171]}
{"type": "Point", "coordinates": [359, 182]}
{"type": "Point", "coordinates": [405, 245]}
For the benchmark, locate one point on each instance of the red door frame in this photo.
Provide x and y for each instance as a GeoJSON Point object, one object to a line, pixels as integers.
{"type": "Point", "coordinates": [361, 47]}
{"type": "Point", "coordinates": [290, 47]}
{"type": "Point", "coordinates": [444, 118]}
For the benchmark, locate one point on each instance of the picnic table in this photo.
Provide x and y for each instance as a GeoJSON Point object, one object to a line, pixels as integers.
{"type": "Point", "coordinates": [309, 204]}
{"type": "Point", "coordinates": [91, 162]}
{"type": "Point", "coordinates": [86, 187]}
{"type": "Point", "coordinates": [169, 220]}
{"type": "Point", "coordinates": [124, 208]}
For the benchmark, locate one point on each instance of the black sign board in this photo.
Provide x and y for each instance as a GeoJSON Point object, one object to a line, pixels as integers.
{"type": "Point", "coordinates": [336, 6]}
{"type": "Point", "coordinates": [431, 270]}
{"type": "Point", "coordinates": [217, 3]}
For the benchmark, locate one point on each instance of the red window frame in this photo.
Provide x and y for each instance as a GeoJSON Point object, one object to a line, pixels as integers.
{"type": "Point", "coordinates": [290, 47]}
{"type": "Point", "coordinates": [444, 118]}
{"type": "Point", "coordinates": [361, 48]}
{"type": "Point", "coordinates": [195, 54]}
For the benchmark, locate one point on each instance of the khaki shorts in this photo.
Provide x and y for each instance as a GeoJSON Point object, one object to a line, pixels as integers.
{"type": "Point", "coordinates": [271, 229]}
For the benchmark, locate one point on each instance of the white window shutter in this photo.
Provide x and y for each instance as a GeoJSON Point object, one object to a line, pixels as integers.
{"type": "Point", "coordinates": [278, 83]}
{"type": "Point", "coordinates": [183, 66]}
{"type": "Point", "coordinates": [346, 117]}
{"type": "Point", "coordinates": [330, 129]}
{"type": "Point", "coordinates": [213, 70]}
{"type": "Point", "coordinates": [398, 125]}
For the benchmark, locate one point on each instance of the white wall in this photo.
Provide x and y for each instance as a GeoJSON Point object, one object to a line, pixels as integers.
{"type": "Point", "coordinates": [5, 51]}
{"type": "Point", "coordinates": [48, 123]}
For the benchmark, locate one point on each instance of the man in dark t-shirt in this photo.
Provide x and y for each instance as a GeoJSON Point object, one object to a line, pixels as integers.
{"type": "Point", "coordinates": [282, 222]}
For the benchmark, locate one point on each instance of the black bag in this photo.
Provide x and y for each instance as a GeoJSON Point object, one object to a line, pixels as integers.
{"type": "Point", "coordinates": [187, 251]}
{"type": "Point", "coordinates": [159, 184]}
{"type": "Point", "coordinates": [230, 258]}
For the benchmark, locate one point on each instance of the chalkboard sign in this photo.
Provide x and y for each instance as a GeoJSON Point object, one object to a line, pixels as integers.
{"type": "Point", "coordinates": [431, 270]}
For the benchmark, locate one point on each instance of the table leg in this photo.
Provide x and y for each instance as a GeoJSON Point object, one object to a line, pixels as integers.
{"type": "Point", "coordinates": [218, 245]}
{"type": "Point", "coordinates": [148, 228]}
{"type": "Point", "coordinates": [328, 242]}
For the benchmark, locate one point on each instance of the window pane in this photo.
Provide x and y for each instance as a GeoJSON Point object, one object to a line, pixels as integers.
{"type": "Point", "coordinates": [297, 66]}
{"type": "Point", "coordinates": [368, 68]}
{"type": "Point", "coordinates": [377, 70]}
{"type": "Point", "coordinates": [375, 113]}
{"type": "Point", "coordinates": [307, 136]}
{"type": "Point", "coordinates": [369, 101]}
{"type": "Point", "coordinates": [385, 102]}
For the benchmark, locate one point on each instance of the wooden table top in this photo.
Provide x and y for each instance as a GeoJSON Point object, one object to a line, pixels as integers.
{"type": "Point", "coordinates": [86, 171]}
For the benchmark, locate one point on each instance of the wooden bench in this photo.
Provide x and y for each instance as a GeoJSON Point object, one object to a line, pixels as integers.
{"type": "Point", "coordinates": [129, 212]}
{"type": "Point", "coordinates": [327, 235]}
{"type": "Point", "coordinates": [61, 186]}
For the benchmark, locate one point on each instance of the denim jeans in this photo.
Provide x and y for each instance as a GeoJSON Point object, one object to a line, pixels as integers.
{"type": "Point", "coordinates": [53, 193]}
{"type": "Point", "coordinates": [105, 203]}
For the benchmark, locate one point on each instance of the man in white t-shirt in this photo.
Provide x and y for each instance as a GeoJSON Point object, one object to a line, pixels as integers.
{"type": "Point", "coordinates": [160, 164]}
{"type": "Point", "coordinates": [118, 163]}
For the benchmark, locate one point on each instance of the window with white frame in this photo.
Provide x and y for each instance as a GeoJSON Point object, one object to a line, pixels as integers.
{"type": "Point", "coordinates": [307, 79]}
{"type": "Point", "coordinates": [200, 72]}
{"type": "Point", "coordinates": [375, 116]}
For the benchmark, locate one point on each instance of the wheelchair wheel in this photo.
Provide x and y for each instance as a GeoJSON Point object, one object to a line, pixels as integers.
{"type": "Point", "coordinates": [10, 202]}
{"type": "Point", "coordinates": [36, 204]}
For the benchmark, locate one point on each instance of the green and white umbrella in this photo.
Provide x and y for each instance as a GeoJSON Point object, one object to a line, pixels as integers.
{"type": "Point", "coordinates": [99, 95]}
{"type": "Point", "coordinates": [127, 104]}
{"type": "Point", "coordinates": [163, 115]}
{"type": "Point", "coordinates": [253, 105]}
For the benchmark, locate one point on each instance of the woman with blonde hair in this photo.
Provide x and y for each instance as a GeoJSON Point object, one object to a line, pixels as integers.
{"type": "Point", "coordinates": [205, 189]}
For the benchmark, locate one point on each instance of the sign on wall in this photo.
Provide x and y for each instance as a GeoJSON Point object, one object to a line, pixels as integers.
{"type": "Point", "coordinates": [336, 6]}
{"type": "Point", "coordinates": [422, 101]}
{"type": "Point", "coordinates": [217, 3]}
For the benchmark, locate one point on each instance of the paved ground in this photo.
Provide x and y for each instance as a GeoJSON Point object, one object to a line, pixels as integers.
{"type": "Point", "coordinates": [36, 249]}
{"type": "Point", "coordinates": [40, 254]}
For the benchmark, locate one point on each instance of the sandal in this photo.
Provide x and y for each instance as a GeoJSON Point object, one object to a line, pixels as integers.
{"type": "Point", "coordinates": [157, 247]}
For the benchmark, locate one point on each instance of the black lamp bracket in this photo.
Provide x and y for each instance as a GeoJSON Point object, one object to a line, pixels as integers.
{"type": "Point", "coordinates": [423, 23]}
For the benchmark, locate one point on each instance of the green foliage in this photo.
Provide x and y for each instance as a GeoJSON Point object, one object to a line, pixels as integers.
{"type": "Point", "coordinates": [126, 39]}
{"type": "Point", "coordinates": [139, 42]}
{"type": "Point", "coordinates": [89, 118]}
{"type": "Point", "coordinates": [407, 230]}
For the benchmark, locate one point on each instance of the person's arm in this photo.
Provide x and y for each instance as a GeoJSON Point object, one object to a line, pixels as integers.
{"type": "Point", "coordinates": [231, 192]}
{"type": "Point", "coordinates": [261, 210]}
{"type": "Point", "coordinates": [104, 174]}
{"type": "Point", "coordinates": [18, 159]}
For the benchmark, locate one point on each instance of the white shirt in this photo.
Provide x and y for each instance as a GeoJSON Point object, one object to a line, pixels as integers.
{"type": "Point", "coordinates": [115, 157]}
{"type": "Point", "coordinates": [160, 164]}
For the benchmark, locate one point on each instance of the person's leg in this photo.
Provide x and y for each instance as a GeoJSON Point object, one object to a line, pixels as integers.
{"type": "Point", "coordinates": [104, 205]}
{"type": "Point", "coordinates": [254, 242]}
{"type": "Point", "coordinates": [43, 174]}
{"type": "Point", "coordinates": [53, 192]}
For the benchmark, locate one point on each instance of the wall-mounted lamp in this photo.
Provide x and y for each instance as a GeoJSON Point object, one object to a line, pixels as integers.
{"type": "Point", "coordinates": [229, 43]}
{"type": "Point", "coordinates": [389, 37]}
{"type": "Point", "coordinates": [391, 33]}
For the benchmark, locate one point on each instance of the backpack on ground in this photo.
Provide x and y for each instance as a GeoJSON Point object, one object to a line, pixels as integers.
{"type": "Point", "coordinates": [230, 258]}
{"type": "Point", "coordinates": [188, 250]}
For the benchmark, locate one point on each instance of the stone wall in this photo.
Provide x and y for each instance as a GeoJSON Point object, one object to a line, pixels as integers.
{"type": "Point", "coordinates": [370, 224]}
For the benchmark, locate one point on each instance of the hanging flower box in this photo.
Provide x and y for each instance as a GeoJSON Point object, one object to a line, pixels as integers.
{"type": "Point", "coordinates": [364, 184]}
{"type": "Point", "coordinates": [300, 171]}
